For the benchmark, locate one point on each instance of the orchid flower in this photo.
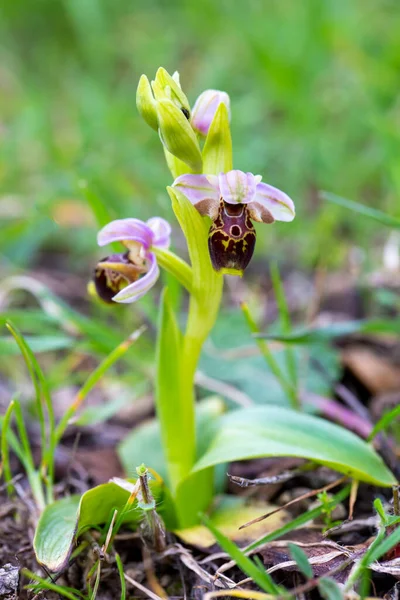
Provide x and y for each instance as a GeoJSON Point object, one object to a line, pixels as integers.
{"type": "Point", "coordinates": [127, 276]}
{"type": "Point", "coordinates": [233, 200]}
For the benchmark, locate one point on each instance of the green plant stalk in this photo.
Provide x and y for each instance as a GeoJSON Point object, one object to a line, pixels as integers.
{"type": "Point", "coordinates": [5, 461]}
{"type": "Point", "coordinates": [33, 475]}
{"type": "Point", "coordinates": [203, 310]}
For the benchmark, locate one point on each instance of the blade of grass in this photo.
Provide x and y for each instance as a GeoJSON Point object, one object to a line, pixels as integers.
{"type": "Point", "coordinates": [366, 560]}
{"type": "Point", "coordinates": [23, 346]}
{"type": "Point", "coordinates": [366, 211]}
{"type": "Point", "coordinates": [48, 585]}
{"type": "Point", "coordinates": [120, 568]}
{"type": "Point", "coordinates": [33, 475]}
{"type": "Point", "coordinates": [285, 322]}
{"type": "Point", "coordinates": [97, 582]}
{"type": "Point", "coordinates": [384, 422]}
{"type": "Point", "coordinates": [384, 546]}
{"type": "Point", "coordinates": [301, 559]}
{"type": "Point", "coordinates": [93, 379]}
{"type": "Point", "coordinates": [270, 359]}
{"type": "Point", "coordinates": [260, 577]}
{"type": "Point", "coordinates": [5, 468]}
{"type": "Point", "coordinates": [42, 392]}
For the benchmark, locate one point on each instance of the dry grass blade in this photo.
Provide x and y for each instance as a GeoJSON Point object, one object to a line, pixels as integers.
{"type": "Point", "coordinates": [238, 594]}
{"type": "Point", "coordinates": [325, 488]}
{"type": "Point", "coordinates": [353, 497]}
{"type": "Point", "coordinates": [142, 588]}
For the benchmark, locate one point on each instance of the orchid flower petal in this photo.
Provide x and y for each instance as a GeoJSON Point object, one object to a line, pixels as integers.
{"type": "Point", "coordinates": [139, 288]}
{"type": "Point", "coordinates": [237, 187]}
{"type": "Point", "coordinates": [270, 204]}
{"type": "Point", "coordinates": [201, 191]}
{"type": "Point", "coordinates": [126, 230]}
{"type": "Point", "coordinates": [161, 230]}
{"type": "Point", "coordinates": [205, 108]}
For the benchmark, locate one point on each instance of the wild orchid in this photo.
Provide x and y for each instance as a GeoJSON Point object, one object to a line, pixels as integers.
{"type": "Point", "coordinates": [188, 439]}
{"type": "Point", "coordinates": [193, 142]}
{"type": "Point", "coordinates": [198, 151]}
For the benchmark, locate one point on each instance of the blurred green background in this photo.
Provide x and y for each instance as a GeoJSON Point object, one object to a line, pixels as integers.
{"type": "Point", "coordinates": [314, 87]}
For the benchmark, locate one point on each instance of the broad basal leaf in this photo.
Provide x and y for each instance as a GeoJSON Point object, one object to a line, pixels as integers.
{"type": "Point", "coordinates": [275, 431]}
{"type": "Point", "coordinates": [55, 533]}
{"type": "Point", "coordinates": [66, 519]}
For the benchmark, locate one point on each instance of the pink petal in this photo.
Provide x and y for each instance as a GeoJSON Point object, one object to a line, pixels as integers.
{"type": "Point", "coordinates": [270, 204]}
{"type": "Point", "coordinates": [126, 229]}
{"type": "Point", "coordinates": [161, 230]}
{"type": "Point", "coordinates": [201, 191]}
{"type": "Point", "coordinates": [205, 108]}
{"type": "Point", "coordinates": [134, 291]}
{"type": "Point", "coordinates": [237, 187]}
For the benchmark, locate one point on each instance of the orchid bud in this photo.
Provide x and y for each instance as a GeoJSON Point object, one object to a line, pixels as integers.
{"type": "Point", "coordinates": [145, 102]}
{"type": "Point", "coordinates": [205, 108]}
{"type": "Point", "coordinates": [177, 134]}
{"type": "Point", "coordinates": [167, 87]}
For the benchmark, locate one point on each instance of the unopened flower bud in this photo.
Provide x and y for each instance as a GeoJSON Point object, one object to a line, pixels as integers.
{"type": "Point", "coordinates": [177, 134]}
{"type": "Point", "coordinates": [145, 102]}
{"type": "Point", "coordinates": [205, 108]}
{"type": "Point", "coordinates": [165, 86]}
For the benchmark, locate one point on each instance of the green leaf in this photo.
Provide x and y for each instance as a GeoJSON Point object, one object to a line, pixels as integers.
{"type": "Point", "coordinates": [217, 151]}
{"type": "Point", "coordinates": [143, 444]}
{"type": "Point", "coordinates": [274, 431]}
{"type": "Point", "coordinates": [259, 576]}
{"type": "Point", "coordinates": [301, 559]}
{"type": "Point", "coordinates": [55, 533]}
{"type": "Point", "coordinates": [68, 518]}
{"type": "Point", "coordinates": [325, 334]}
{"type": "Point", "coordinates": [231, 356]}
{"type": "Point", "coordinates": [44, 343]}
{"type": "Point", "coordinates": [366, 211]}
{"type": "Point", "coordinates": [329, 589]}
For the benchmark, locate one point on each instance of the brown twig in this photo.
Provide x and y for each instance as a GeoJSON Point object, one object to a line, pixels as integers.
{"type": "Point", "coordinates": [325, 488]}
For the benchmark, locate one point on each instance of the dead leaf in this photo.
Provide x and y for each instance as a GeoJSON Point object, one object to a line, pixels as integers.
{"type": "Point", "coordinates": [228, 517]}
{"type": "Point", "coordinates": [377, 373]}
